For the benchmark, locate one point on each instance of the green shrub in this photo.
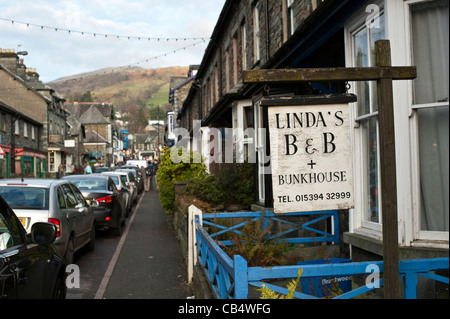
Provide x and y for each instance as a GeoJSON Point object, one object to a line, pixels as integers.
{"type": "Point", "coordinates": [237, 181]}
{"type": "Point", "coordinates": [254, 246]}
{"type": "Point", "coordinates": [205, 187]}
{"type": "Point", "coordinates": [184, 166]}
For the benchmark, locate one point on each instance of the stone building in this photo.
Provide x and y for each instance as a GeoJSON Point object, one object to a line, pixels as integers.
{"type": "Point", "coordinates": [292, 34]}
{"type": "Point", "coordinates": [179, 90]}
{"type": "Point", "coordinates": [23, 121]}
{"type": "Point", "coordinates": [22, 90]}
{"type": "Point", "coordinates": [96, 119]}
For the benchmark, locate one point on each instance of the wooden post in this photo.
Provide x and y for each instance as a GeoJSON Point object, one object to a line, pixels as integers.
{"type": "Point", "coordinates": [388, 174]}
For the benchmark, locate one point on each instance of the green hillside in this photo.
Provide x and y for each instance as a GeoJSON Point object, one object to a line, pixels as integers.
{"type": "Point", "coordinates": [124, 88]}
{"type": "Point", "coordinates": [140, 94]}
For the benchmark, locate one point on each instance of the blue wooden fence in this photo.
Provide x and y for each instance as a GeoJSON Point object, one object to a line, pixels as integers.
{"type": "Point", "coordinates": [317, 235]}
{"type": "Point", "coordinates": [230, 278]}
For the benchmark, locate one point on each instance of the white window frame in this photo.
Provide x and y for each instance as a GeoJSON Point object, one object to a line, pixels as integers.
{"type": "Point", "coordinates": [244, 46]}
{"type": "Point", "coordinates": [256, 33]}
{"type": "Point", "coordinates": [398, 31]}
{"type": "Point", "coordinates": [290, 16]}
{"type": "Point", "coordinates": [261, 149]}
{"type": "Point", "coordinates": [416, 236]}
{"type": "Point", "coordinates": [241, 135]}
{"type": "Point", "coordinates": [17, 127]}
{"type": "Point", "coordinates": [357, 221]}
{"type": "Point", "coordinates": [25, 129]}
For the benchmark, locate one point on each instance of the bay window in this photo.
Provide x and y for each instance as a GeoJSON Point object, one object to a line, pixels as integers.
{"type": "Point", "coordinates": [429, 25]}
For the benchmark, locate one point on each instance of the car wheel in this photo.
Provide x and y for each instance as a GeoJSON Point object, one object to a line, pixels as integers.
{"type": "Point", "coordinates": [68, 257]}
{"type": "Point", "coordinates": [91, 246]}
{"type": "Point", "coordinates": [117, 231]}
{"type": "Point", "coordinates": [128, 211]}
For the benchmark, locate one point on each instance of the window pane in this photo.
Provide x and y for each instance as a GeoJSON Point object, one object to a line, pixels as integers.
{"type": "Point", "coordinates": [10, 230]}
{"type": "Point", "coordinates": [430, 27]}
{"type": "Point", "coordinates": [370, 162]}
{"type": "Point", "coordinates": [364, 54]}
{"type": "Point", "coordinates": [365, 57]}
{"type": "Point", "coordinates": [362, 60]}
{"type": "Point", "coordinates": [434, 169]}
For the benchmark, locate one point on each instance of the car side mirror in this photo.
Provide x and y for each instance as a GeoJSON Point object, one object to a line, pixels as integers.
{"type": "Point", "coordinates": [124, 190]}
{"type": "Point", "coordinates": [43, 233]}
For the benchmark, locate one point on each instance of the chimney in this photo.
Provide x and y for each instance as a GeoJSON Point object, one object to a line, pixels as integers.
{"type": "Point", "coordinates": [21, 70]}
{"type": "Point", "coordinates": [32, 75]}
{"type": "Point", "coordinates": [9, 59]}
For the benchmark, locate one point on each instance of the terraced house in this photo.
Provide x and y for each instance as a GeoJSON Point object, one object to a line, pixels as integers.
{"type": "Point", "coordinates": [294, 34]}
{"type": "Point", "coordinates": [28, 107]}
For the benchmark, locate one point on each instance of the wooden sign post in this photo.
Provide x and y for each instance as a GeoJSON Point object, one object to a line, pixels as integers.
{"type": "Point", "coordinates": [384, 74]}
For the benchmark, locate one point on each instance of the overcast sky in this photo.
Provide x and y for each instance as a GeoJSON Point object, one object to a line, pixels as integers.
{"type": "Point", "coordinates": [55, 52]}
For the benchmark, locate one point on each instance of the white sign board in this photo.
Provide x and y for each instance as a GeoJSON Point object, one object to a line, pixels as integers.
{"type": "Point", "coordinates": [310, 157]}
{"type": "Point", "coordinates": [69, 143]}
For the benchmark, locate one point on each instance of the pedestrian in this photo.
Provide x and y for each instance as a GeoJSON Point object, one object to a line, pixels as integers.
{"type": "Point", "coordinates": [147, 179]}
{"type": "Point", "coordinates": [87, 168]}
{"type": "Point", "coordinates": [155, 166]}
{"type": "Point", "coordinates": [60, 171]}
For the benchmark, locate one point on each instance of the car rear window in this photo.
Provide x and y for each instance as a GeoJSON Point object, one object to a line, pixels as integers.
{"type": "Point", "coordinates": [90, 184]}
{"type": "Point", "coordinates": [26, 197]}
{"type": "Point", "coordinates": [115, 178]}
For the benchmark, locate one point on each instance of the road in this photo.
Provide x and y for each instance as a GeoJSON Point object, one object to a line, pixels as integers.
{"type": "Point", "coordinates": [144, 263]}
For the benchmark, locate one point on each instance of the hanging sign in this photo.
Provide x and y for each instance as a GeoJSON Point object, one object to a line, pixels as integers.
{"type": "Point", "coordinates": [310, 153]}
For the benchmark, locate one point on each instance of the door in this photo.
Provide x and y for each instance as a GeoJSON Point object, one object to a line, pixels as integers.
{"type": "Point", "coordinates": [71, 218]}
{"type": "Point", "coordinates": [85, 217]}
{"type": "Point", "coordinates": [21, 267]}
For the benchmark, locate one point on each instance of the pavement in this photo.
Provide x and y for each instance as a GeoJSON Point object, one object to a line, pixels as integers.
{"type": "Point", "coordinates": [147, 263]}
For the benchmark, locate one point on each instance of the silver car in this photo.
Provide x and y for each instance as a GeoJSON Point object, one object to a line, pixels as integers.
{"type": "Point", "coordinates": [55, 201]}
{"type": "Point", "coordinates": [131, 183]}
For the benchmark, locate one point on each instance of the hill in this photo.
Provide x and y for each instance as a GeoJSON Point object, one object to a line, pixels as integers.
{"type": "Point", "coordinates": [121, 87]}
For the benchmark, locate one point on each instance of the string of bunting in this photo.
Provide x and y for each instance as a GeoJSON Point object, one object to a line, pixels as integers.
{"type": "Point", "coordinates": [105, 35]}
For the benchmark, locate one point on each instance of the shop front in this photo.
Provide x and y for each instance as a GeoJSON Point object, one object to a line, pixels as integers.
{"type": "Point", "coordinates": [30, 163]}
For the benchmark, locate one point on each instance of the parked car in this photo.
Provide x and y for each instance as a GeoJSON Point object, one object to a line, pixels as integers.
{"type": "Point", "coordinates": [30, 267]}
{"type": "Point", "coordinates": [101, 169]}
{"type": "Point", "coordinates": [123, 186]}
{"type": "Point", "coordinates": [138, 175]}
{"type": "Point", "coordinates": [55, 201]}
{"type": "Point", "coordinates": [110, 212]}
{"type": "Point", "coordinates": [132, 180]}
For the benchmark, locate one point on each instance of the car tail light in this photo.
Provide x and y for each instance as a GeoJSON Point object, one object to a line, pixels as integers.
{"type": "Point", "coordinates": [57, 223]}
{"type": "Point", "coordinates": [105, 200]}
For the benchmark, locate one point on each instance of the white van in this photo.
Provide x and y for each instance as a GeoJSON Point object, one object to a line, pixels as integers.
{"type": "Point", "coordinates": [138, 163]}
